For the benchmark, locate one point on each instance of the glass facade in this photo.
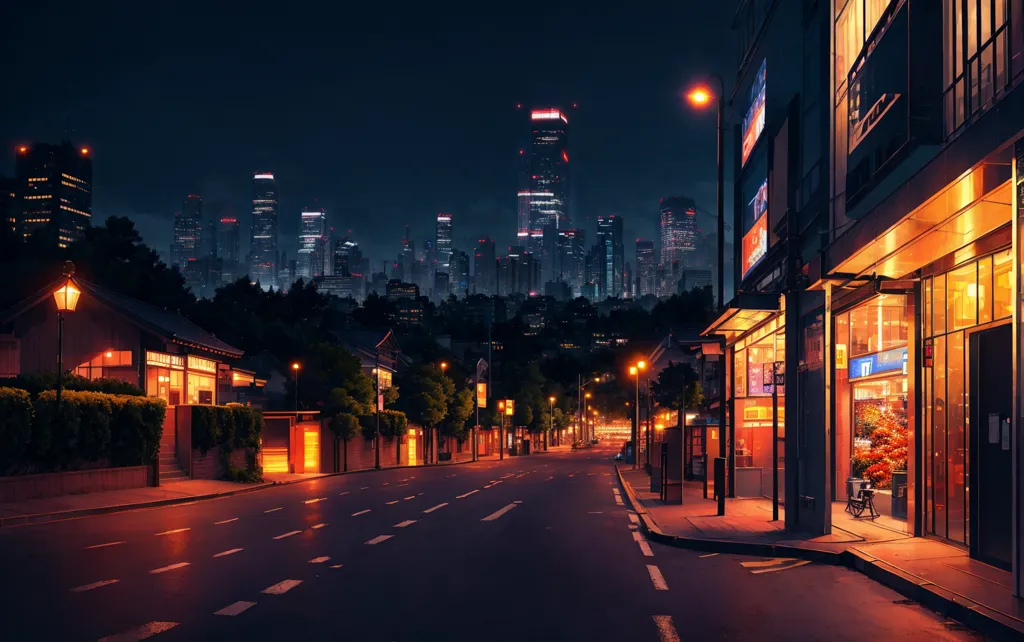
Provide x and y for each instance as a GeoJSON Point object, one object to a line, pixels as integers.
{"type": "Point", "coordinates": [168, 377]}
{"type": "Point", "coordinates": [954, 305]}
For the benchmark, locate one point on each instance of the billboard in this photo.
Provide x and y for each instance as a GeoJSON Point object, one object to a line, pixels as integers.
{"type": "Point", "coordinates": [755, 241]}
{"type": "Point", "coordinates": [753, 121]}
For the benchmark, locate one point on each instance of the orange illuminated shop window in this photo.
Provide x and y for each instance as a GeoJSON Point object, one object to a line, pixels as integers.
{"type": "Point", "coordinates": [99, 366]}
{"type": "Point", "coordinates": [311, 449]}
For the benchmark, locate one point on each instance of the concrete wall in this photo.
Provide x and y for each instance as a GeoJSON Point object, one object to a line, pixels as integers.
{"type": "Point", "coordinates": [209, 466]}
{"type": "Point", "coordinates": [78, 482]}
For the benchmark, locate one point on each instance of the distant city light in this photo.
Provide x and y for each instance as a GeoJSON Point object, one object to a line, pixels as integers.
{"type": "Point", "coordinates": [548, 114]}
{"type": "Point", "coordinates": [263, 177]}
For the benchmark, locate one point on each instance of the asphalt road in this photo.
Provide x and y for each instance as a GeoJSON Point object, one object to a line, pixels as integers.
{"type": "Point", "coordinates": [531, 548]}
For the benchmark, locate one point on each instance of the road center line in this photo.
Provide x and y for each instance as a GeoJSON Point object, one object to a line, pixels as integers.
{"type": "Point", "coordinates": [666, 629]}
{"type": "Point", "coordinates": [320, 525]}
{"type": "Point", "coordinates": [176, 530]}
{"type": "Point", "coordinates": [365, 488]}
{"type": "Point", "coordinates": [433, 508]}
{"type": "Point", "coordinates": [644, 546]}
{"type": "Point", "coordinates": [288, 534]}
{"type": "Point", "coordinates": [273, 510]}
{"type": "Point", "coordinates": [319, 560]}
{"type": "Point", "coordinates": [313, 501]}
{"type": "Point", "coordinates": [172, 567]}
{"type": "Point", "coordinates": [343, 494]}
{"type": "Point", "coordinates": [709, 555]}
{"type": "Point", "coordinates": [594, 512]}
{"type": "Point", "coordinates": [227, 552]}
{"type": "Point", "coordinates": [94, 585]}
{"type": "Point", "coordinates": [465, 495]}
{"type": "Point", "coordinates": [657, 578]}
{"type": "Point", "coordinates": [281, 587]}
{"type": "Point", "coordinates": [235, 609]}
{"type": "Point", "coordinates": [495, 515]}
{"type": "Point", "coordinates": [89, 548]}
{"type": "Point", "coordinates": [633, 518]}
{"type": "Point", "coordinates": [379, 539]}
{"type": "Point", "coordinates": [362, 512]}
{"type": "Point", "coordinates": [385, 483]}
{"type": "Point", "coordinates": [408, 522]}
{"type": "Point", "coordinates": [336, 565]}
{"type": "Point", "coordinates": [226, 521]}
{"type": "Point", "coordinates": [549, 479]}
{"type": "Point", "coordinates": [391, 503]}
{"type": "Point", "coordinates": [143, 632]}
{"type": "Point", "coordinates": [410, 497]}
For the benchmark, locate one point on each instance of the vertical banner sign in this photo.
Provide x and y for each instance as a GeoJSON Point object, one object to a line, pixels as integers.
{"type": "Point", "coordinates": [481, 395]}
{"type": "Point", "coordinates": [380, 401]}
{"type": "Point", "coordinates": [780, 373]}
{"type": "Point", "coordinates": [767, 379]}
{"type": "Point", "coordinates": [510, 407]}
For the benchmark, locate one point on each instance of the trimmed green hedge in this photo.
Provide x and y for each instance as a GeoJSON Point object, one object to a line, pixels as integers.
{"type": "Point", "coordinates": [15, 426]}
{"type": "Point", "coordinates": [229, 427]}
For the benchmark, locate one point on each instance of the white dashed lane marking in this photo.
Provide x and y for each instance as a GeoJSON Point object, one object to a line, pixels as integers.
{"type": "Point", "coordinates": [343, 494]}
{"type": "Point", "coordinates": [320, 525]}
{"type": "Point", "coordinates": [94, 585]}
{"type": "Point", "coordinates": [409, 497]}
{"type": "Point", "coordinates": [666, 628]}
{"type": "Point", "coordinates": [281, 587]}
{"type": "Point", "coordinates": [89, 548]}
{"type": "Point", "coordinates": [319, 560]}
{"type": "Point", "coordinates": [709, 555]}
{"type": "Point", "coordinates": [231, 551]}
{"type": "Point", "coordinates": [313, 501]}
{"type": "Point", "coordinates": [644, 546]}
{"type": "Point", "coordinates": [465, 495]}
{"type": "Point", "coordinates": [495, 515]}
{"type": "Point", "coordinates": [226, 521]}
{"type": "Point", "coordinates": [143, 632]}
{"type": "Point", "coordinates": [391, 503]}
{"type": "Point", "coordinates": [172, 532]}
{"type": "Point", "coordinates": [272, 510]}
{"type": "Point", "coordinates": [657, 578]}
{"type": "Point", "coordinates": [408, 522]}
{"type": "Point", "coordinates": [288, 534]}
{"type": "Point", "coordinates": [172, 567]}
{"type": "Point", "coordinates": [235, 609]}
{"type": "Point", "coordinates": [379, 539]}
{"type": "Point", "coordinates": [362, 512]}
{"type": "Point", "coordinates": [433, 508]}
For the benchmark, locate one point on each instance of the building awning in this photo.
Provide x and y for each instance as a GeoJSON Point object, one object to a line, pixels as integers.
{"type": "Point", "coordinates": [744, 313]}
{"type": "Point", "coordinates": [968, 208]}
{"type": "Point", "coordinates": [709, 348]}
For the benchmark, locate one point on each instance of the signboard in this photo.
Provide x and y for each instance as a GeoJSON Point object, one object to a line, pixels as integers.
{"type": "Point", "coordinates": [780, 373]}
{"type": "Point", "coordinates": [380, 401]}
{"type": "Point", "coordinates": [929, 354]}
{"type": "Point", "coordinates": [755, 245]}
{"type": "Point", "coordinates": [510, 407]}
{"type": "Point", "coordinates": [481, 395]}
{"type": "Point", "coordinates": [890, 361]}
{"type": "Point", "coordinates": [753, 122]}
{"type": "Point", "coordinates": [841, 356]}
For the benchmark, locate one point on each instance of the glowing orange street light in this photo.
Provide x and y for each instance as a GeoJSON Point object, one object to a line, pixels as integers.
{"type": "Point", "coordinates": [444, 366]}
{"type": "Point", "coordinates": [699, 96]}
{"type": "Point", "coordinates": [85, 151]}
{"type": "Point", "coordinates": [23, 149]}
{"type": "Point", "coordinates": [66, 298]}
{"type": "Point", "coordinates": [295, 369]}
{"type": "Point", "coordinates": [641, 364]}
{"type": "Point", "coordinates": [632, 371]}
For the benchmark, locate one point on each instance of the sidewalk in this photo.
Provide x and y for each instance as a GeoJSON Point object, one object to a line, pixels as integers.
{"type": "Point", "coordinates": [36, 511]}
{"type": "Point", "coordinates": [941, 577]}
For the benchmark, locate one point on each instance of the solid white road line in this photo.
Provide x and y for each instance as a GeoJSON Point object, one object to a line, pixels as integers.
{"type": "Point", "coordinates": [391, 503]}
{"type": "Point", "coordinates": [644, 546]}
{"type": "Point", "coordinates": [709, 555]}
{"type": "Point", "coordinates": [273, 510]}
{"type": "Point", "coordinates": [226, 521]}
{"type": "Point", "coordinates": [409, 497]}
{"type": "Point", "coordinates": [281, 587]}
{"type": "Point", "coordinates": [433, 508]}
{"type": "Point", "coordinates": [320, 525]}
{"type": "Point", "coordinates": [176, 530]}
{"type": "Point", "coordinates": [231, 551]}
{"type": "Point", "coordinates": [379, 539]}
{"type": "Point", "coordinates": [408, 522]}
{"type": "Point", "coordinates": [495, 515]}
{"type": "Point", "coordinates": [94, 585]}
{"type": "Point", "coordinates": [313, 501]}
{"type": "Point", "coordinates": [464, 496]}
{"type": "Point", "coordinates": [362, 512]}
{"type": "Point", "coordinates": [288, 534]}
{"type": "Point", "coordinates": [235, 609]}
{"type": "Point", "coordinates": [666, 629]}
{"type": "Point", "coordinates": [89, 548]}
{"type": "Point", "coordinates": [169, 568]}
{"type": "Point", "coordinates": [319, 560]}
{"type": "Point", "coordinates": [657, 578]}
{"type": "Point", "coordinates": [143, 632]}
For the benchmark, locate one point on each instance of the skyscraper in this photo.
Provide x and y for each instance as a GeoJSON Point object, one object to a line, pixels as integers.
{"type": "Point", "coordinates": [645, 268]}
{"type": "Point", "coordinates": [229, 248]}
{"type": "Point", "coordinates": [571, 259]}
{"type": "Point", "coordinates": [485, 268]}
{"type": "Point", "coordinates": [596, 269]}
{"type": "Point", "coordinates": [348, 258]}
{"type": "Point", "coordinates": [443, 243]}
{"type": "Point", "coordinates": [312, 243]}
{"type": "Point", "coordinates": [55, 190]}
{"type": "Point", "coordinates": [188, 230]}
{"type": "Point", "coordinates": [678, 227]}
{"type": "Point", "coordinates": [263, 248]}
{"type": "Point", "coordinates": [609, 234]}
{"type": "Point", "coordinates": [8, 206]}
{"type": "Point", "coordinates": [548, 184]}
{"type": "Point", "coordinates": [459, 274]}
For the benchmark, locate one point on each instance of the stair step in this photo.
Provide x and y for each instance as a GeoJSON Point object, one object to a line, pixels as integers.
{"type": "Point", "coordinates": [172, 476]}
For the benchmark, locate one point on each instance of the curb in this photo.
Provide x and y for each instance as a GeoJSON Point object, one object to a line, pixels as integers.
{"type": "Point", "coordinates": [59, 516]}
{"type": "Point", "coordinates": [989, 622]}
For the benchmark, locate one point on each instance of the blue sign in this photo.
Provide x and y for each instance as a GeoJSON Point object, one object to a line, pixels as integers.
{"type": "Point", "coordinates": [894, 360]}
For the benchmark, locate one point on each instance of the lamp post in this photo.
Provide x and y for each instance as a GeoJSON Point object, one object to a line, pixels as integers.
{"type": "Point", "coordinates": [551, 415]}
{"type": "Point", "coordinates": [701, 96]}
{"type": "Point", "coordinates": [580, 385]}
{"type": "Point", "coordinates": [66, 298]}
{"type": "Point", "coordinates": [376, 411]}
{"type": "Point", "coordinates": [295, 369]}
{"type": "Point", "coordinates": [501, 430]}
{"type": "Point", "coordinates": [635, 372]}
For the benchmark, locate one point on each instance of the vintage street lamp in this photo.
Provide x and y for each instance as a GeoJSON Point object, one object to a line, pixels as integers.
{"type": "Point", "coordinates": [551, 415]}
{"type": "Point", "coordinates": [295, 369]}
{"type": "Point", "coordinates": [66, 298]}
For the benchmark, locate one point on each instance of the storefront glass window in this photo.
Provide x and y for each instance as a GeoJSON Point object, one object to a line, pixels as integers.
{"type": "Point", "coordinates": [985, 290]}
{"type": "Point", "coordinates": [165, 383]}
{"type": "Point", "coordinates": [955, 440]}
{"type": "Point", "coordinates": [939, 438]}
{"type": "Point", "coordinates": [741, 373]}
{"type": "Point", "coordinates": [962, 297]}
{"type": "Point", "coordinates": [1002, 294]}
{"type": "Point", "coordinates": [201, 388]}
{"type": "Point", "coordinates": [926, 311]}
{"type": "Point", "coordinates": [939, 304]}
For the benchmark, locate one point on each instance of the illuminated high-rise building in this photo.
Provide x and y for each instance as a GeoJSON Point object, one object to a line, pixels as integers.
{"type": "Point", "coordinates": [646, 269]}
{"type": "Point", "coordinates": [571, 259]}
{"type": "Point", "coordinates": [443, 243]}
{"type": "Point", "coordinates": [458, 276]}
{"type": "Point", "coordinates": [55, 190]}
{"type": "Point", "coordinates": [8, 206]}
{"type": "Point", "coordinates": [485, 268]}
{"type": "Point", "coordinates": [348, 258]}
{"type": "Point", "coordinates": [229, 244]}
{"type": "Point", "coordinates": [678, 227]}
{"type": "Point", "coordinates": [188, 230]}
{"type": "Point", "coordinates": [609, 234]}
{"type": "Point", "coordinates": [263, 246]}
{"type": "Point", "coordinates": [548, 185]}
{"type": "Point", "coordinates": [312, 243]}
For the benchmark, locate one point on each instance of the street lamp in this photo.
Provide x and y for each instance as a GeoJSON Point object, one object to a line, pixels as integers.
{"type": "Point", "coordinates": [66, 298]}
{"type": "Point", "coordinates": [700, 97]}
{"type": "Point", "coordinates": [501, 430]}
{"type": "Point", "coordinates": [444, 366]}
{"type": "Point", "coordinates": [634, 371]}
{"type": "Point", "coordinates": [551, 415]}
{"type": "Point", "coordinates": [295, 369]}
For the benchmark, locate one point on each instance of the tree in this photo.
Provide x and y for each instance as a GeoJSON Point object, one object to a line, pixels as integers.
{"type": "Point", "coordinates": [459, 411]}
{"type": "Point", "coordinates": [678, 387]}
{"type": "Point", "coordinates": [425, 400]}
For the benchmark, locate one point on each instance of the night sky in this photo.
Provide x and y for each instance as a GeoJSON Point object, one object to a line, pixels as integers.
{"type": "Point", "coordinates": [384, 115]}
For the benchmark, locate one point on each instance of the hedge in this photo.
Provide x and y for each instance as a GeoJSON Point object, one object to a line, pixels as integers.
{"type": "Point", "coordinates": [15, 426]}
{"type": "Point", "coordinates": [344, 425]}
{"type": "Point", "coordinates": [93, 427]}
{"type": "Point", "coordinates": [229, 427]}
{"type": "Point", "coordinates": [36, 383]}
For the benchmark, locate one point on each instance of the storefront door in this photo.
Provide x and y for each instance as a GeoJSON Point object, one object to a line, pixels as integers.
{"type": "Point", "coordinates": [992, 402]}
